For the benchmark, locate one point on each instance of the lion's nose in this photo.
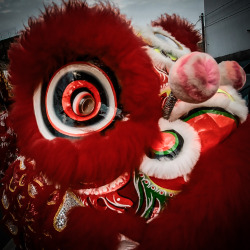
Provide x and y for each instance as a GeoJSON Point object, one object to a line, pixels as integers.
{"type": "Point", "coordinates": [195, 77]}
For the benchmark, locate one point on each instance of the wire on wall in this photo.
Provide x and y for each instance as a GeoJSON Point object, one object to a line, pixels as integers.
{"type": "Point", "coordinates": [219, 8]}
{"type": "Point", "coordinates": [233, 14]}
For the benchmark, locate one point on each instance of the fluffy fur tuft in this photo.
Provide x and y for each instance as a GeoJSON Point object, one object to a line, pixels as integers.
{"type": "Point", "coordinates": [179, 28]}
{"type": "Point", "coordinates": [60, 36]}
{"type": "Point", "coordinates": [232, 103]}
{"type": "Point", "coordinates": [231, 73]}
{"type": "Point", "coordinates": [194, 77]}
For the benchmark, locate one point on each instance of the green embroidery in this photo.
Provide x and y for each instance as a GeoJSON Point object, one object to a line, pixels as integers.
{"type": "Point", "coordinates": [150, 194]}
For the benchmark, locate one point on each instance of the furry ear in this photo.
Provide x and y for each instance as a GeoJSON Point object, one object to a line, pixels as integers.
{"type": "Point", "coordinates": [179, 28]}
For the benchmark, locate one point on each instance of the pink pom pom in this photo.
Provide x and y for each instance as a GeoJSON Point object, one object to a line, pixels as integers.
{"type": "Point", "coordinates": [194, 77]}
{"type": "Point", "coordinates": [231, 73]}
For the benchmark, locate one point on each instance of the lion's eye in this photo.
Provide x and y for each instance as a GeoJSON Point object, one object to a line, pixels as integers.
{"type": "Point", "coordinates": [168, 40]}
{"type": "Point", "coordinates": [80, 98]}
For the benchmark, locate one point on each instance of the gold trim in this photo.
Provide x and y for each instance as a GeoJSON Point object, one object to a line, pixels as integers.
{"type": "Point", "coordinates": [13, 217]}
{"type": "Point", "coordinates": [176, 42]}
{"type": "Point", "coordinates": [224, 92]}
{"type": "Point", "coordinates": [12, 190]}
{"type": "Point", "coordinates": [11, 227]}
{"type": "Point", "coordinates": [38, 182]}
{"type": "Point", "coordinates": [29, 190]}
{"type": "Point", "coordinates": [29, 220]}
{"type": "Point", "coordinates": [4, 196]}
{"type": "Point", "coordinates": [21, 179]}
{"type": "Point", "coordinates": [52, 202]}
{"type": "Point", "coordinates": [49, 203]}
{"type": "Point", "coordinates": [167, 91]}
{"type": "Point", "coordinates": [47, 235]}
{"type": "Point", "coordinates": [31, 229]}
{"type": "Point", "coordinates": [169, 191]}
{"type": "Point", "coordinates": [21, 165]}
{"type": "Point", "coordinates": [19, 200]}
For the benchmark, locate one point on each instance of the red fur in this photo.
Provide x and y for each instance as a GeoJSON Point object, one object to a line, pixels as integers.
{"type": "Point", "coordinates": [212, 212]}
{"type": "Point", "coordinates": [90, 229]}
{"type": "Point", "coordinates": [181, 29]}
{"type": "Point", "coordinates": [60, 36]}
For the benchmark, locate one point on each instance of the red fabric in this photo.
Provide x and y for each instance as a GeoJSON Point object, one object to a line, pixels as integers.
{"type": "Point", "coordinates": [62, 36]}
{"type": "Point", "coordinates": [212, 129]}
{"type": "Point", "coordinates": [212, 211]}
{"type": "Point", "coordinates": [181, 29]}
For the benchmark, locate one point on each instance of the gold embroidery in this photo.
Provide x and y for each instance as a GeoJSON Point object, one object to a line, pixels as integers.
{"type": "Point", "coordinates": [12, 228]}
{"type": "Point", "coordinates": [10, 188]}
{"type": "Point", "coordinates": [5, 200]}
{"type": "Point", "coordinates": [38, 182]}
{"type": "Point", "coordinates": [32, 190]}
{"type": "Point", "coordinates": [21, 180]}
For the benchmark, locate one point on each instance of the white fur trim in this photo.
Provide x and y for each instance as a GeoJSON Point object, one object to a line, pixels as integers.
{"type": "Point", "coordinates": [148, 33]}
{"type": "Point", "coordinates": [161, 61]}
{"type": "Point", "coordinates": [237, 106]}
{"type": "Point", "coordinates": [184, 162]}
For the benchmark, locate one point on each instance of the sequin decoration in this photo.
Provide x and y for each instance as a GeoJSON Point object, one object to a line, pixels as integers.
{"type": "Point", "coordinates": [19, 198]}
{"type": "Point", "coordinates": [69, 201]}
{"type": "Point", "coordinates": [22, 165]}
{"type": "Point", "coordinates": [12, 228]}
{"type": "Point", "coordinates": [32, 190]}
{"type": "Point", "coordinates": [5, 200]}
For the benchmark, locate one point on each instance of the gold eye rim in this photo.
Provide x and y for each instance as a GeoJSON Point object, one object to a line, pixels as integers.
{"type": "Point", "coordinates": [173, 40]}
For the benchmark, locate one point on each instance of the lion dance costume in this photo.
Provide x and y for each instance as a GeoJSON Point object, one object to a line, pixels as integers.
{"type": "Point", "coordinates": [123, 138]}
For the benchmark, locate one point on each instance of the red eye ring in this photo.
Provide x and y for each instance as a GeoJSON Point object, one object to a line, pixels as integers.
{"type": "Point", "coordinates": [74, 113]}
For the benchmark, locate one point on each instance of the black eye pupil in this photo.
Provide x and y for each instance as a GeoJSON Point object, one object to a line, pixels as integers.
{"type": "Point", "coordinates": [87, 105]}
